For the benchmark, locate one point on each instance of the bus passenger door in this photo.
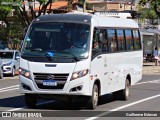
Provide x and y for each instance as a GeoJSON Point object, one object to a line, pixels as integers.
{"type": "Point", "coordinates": [98, 59]}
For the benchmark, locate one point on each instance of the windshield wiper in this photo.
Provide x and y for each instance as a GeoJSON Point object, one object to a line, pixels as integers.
{"type": "Point", "coordinates": [74, 56]}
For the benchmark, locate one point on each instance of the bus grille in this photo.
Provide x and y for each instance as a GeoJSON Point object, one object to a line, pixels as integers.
{"type": "Point", "coordinates": [59, 78]}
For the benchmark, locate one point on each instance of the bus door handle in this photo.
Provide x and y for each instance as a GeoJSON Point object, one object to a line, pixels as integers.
{"type": "Point", "coordinates": [99, 57]}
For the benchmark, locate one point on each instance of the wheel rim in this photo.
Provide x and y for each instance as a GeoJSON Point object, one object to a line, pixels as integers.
{"type": "Point", "coordinates": [127, 89]}
{"type": "Point", "coordinates": [95, 97]}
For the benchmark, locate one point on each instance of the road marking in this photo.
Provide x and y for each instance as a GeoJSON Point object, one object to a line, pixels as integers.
{"type": "Point", "coordinates": [16, 109]}
{"type": "Point", "coordinates": [9, 87]}
{"type": "Point", "coordinates": [152, 81]}
{"type": "Point", "coordinates": [10, 78]}
{"type": "Point", "coordinates": [122, 107]}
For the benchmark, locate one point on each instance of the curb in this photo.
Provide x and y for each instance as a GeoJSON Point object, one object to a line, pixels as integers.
{"type": "Point", "coordinates": [151, 69]}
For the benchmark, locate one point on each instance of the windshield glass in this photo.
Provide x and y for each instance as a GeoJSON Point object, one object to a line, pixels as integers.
{"type": "Point", "coordinates": [64, 39]}
{"type": "Point", "coordinates": [6, 55]}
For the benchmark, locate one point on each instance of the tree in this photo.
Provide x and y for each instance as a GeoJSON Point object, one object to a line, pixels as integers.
{"type": "Point", "coordinates": [21, 19]}
{"type": "Point", "coordinates": [12, 25]}
{"type": "Point", "coordinates": [6, 7]}
{"type": "Point", "coordinates": [27, 18]}
{"type": "Point", "coordinates": [147, 13]}
{"type": "Point", "coordinates": [154, 3]}
{"type": "Point", "coordinates": [4, 10]}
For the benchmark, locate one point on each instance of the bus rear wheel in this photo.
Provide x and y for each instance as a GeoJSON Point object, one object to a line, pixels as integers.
{"type": "Point", "coordinates": [30, 100]}
{"type": "Point", "coordinates": [123, 94]}
{"type": "Point", "coordinates": [93, 100]}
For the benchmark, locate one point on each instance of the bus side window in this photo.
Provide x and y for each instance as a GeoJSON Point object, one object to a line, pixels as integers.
{"type": "Point", "coordinates": [104, 40]}
{"type": "Point", "coordinates": [129, 39]}
{"type": "Point", "coordinates": [137, 43]}
{"type": "Point", "coordinates": [121, 40]}
{"type": "Point", "coordinates": [112, 40]}
{"type": "Point", "coordinates": [96, 44]}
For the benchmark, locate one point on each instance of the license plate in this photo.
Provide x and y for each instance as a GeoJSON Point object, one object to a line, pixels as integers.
{"type": "Point", "coordinates": [49, 83]}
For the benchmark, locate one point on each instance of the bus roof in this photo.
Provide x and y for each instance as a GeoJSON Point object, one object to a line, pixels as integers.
{"type": "Point", "coordinates": [68, 17]}
{"type": "Point", "coordinates": [79, 17]}
{"type": "Point", "coordinates": [115, 22]}
{"type": "Point", "coordinates": [116, 14]}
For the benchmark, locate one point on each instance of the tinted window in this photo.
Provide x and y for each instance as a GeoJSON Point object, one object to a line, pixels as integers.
{"type": "Point", "coordinates": [137, 43]}
{"type": "Point", "coordinates": [104, 41]}
{"type": "Point", "coordinates": [129, 39]}
{"type": "Point", "coordinates": [59, 38]}
{"type": "Point", "coordinates": [96, 43]}
{"type": "Point", "coordinates": [121, 41]}
{"type": "Point", "coordinates": [112, 40]}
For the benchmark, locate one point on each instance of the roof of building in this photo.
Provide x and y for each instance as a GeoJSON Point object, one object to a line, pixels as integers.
{"type": "Point", "coordinates": [55, 5]}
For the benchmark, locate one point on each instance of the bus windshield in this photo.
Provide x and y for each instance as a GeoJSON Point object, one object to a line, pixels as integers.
{"type": "Point", "coordinates": [69, 39]}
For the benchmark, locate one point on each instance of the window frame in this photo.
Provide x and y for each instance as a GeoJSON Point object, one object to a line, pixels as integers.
{"type": "Point", "coordinates": [125, 42]}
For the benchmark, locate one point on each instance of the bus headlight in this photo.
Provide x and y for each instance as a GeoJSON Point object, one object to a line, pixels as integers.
{"type": "Point", "coordinates": [79, 74]}
{"type": "Point", "coordinates": [7, 64]}
{"type": "Point", "coordinates": [24, 73]}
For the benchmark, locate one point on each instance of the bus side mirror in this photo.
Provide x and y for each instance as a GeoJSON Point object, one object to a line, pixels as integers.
{"type": "Point", "coordinates": [17, 57]}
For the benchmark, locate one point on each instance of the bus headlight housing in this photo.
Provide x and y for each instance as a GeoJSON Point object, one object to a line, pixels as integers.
{"type": "Point", "coordinates": [24, 73]}
{"type": "Point", "coordinates": [79, 74]}
{"type": "Point", "coordinates": [7, 64]}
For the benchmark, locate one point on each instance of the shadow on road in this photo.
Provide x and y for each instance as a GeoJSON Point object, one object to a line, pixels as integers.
{"type": "Point", "coordinates": [12, 102]}
{"type": "Point", "coordinates": [19, 102]}
{"type": "Point", "coordinates": [76, 105]}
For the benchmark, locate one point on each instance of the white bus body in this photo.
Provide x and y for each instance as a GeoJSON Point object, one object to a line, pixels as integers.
{"type": "Point", "coordinates": [111, 66]}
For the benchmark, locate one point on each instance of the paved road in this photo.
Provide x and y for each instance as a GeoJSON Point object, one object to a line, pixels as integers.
{"type": "Point", "coordinates": [145, 96]}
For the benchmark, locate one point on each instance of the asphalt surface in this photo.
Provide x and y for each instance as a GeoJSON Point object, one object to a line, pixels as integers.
{"type": "Point", "coordinates": [144, 100]}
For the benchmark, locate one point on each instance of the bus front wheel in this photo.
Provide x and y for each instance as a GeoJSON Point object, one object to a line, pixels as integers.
{"type": "Point", "coordinates": [30, 100]}
{"type": "Point", "coordinates": [93, 100]}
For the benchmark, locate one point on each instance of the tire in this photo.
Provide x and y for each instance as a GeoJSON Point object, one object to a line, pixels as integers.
{"type": "Point", "coordinates": [13, 72]}
{"type": "Point", "coordinates": [30, 100]}
{"type": "Point", "coordinates": [122, 94]}
{"type": "Point", "coordinates": [125, 93]}
{"type": "Point", "coordinates": [93, 100]}
{"type": "Point", "coordinates": [1, 73]}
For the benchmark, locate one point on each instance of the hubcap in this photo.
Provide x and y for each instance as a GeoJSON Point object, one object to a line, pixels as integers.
{"type": "Point", "coordinates": [127, 89]}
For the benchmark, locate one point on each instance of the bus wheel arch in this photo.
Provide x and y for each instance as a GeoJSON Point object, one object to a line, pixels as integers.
{"type": "Point", "coordinates": [129, 79]}
{"type": "Point", "coordinates": [97, 82]}
{"type": "Point", "coordinates": [124, 93]}
{"type": "Point", "coordinates": [93, 99]}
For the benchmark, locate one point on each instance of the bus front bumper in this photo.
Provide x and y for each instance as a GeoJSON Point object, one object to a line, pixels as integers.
{"type": "Point", "coordinates": [74, 87]}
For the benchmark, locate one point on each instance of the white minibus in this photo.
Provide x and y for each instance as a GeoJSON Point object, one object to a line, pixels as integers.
{"type": "Point", "coordinates": [79, 55]}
